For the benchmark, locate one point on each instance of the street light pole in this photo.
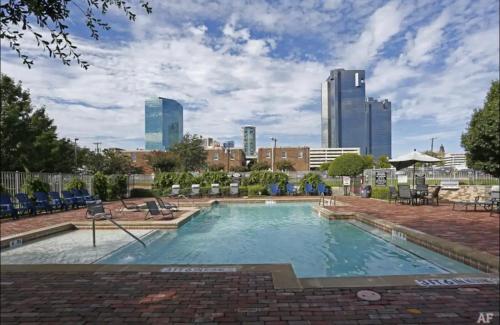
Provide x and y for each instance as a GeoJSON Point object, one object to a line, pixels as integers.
{"type": "Point", "coordinates": [76, 159]}
{"type": "Point", "coordinates": [272, 153]}
{"type": "Point", "coordinates": [228, 153]}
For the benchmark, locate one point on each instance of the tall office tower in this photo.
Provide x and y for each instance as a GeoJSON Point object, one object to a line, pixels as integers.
{"type": "Point", "coordinates": [249, 142]}
{"type": "Point", "coordinates": [378, 122]}
{"type": "Point", "coordinates": [163, 123]}
{"type": "Point", "coordinates": [343, 110]}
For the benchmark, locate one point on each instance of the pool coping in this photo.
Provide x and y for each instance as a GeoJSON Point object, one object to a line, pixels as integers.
{"type": "Point", "coordinates": [478, 259]}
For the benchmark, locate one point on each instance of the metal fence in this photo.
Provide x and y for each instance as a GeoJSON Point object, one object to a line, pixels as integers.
{"type": "Point", "coordinates": [13, 182]}
{"type": "Point", "coordinates": [433, 176]}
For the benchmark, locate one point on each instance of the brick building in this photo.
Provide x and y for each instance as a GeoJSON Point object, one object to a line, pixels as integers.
{"type": "Point", "coordinates": [298, 156]}
{"type": "Point", "coordinates": [218, 156]}
{"type": "Point", "coordinates": [140, 159]}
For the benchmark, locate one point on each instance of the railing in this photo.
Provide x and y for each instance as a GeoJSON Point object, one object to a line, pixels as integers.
{"type": "Point", "coordinates": [119, 226]}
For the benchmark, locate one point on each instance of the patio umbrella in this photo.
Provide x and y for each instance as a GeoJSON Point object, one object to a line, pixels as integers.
{"type": "Point", "coordinates": [410, 159]}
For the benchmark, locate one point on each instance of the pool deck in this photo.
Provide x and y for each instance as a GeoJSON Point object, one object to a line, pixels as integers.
{"type": "Point", "coordinates": [124, 294]}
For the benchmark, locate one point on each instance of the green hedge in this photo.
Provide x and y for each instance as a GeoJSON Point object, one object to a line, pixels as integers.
{"type": "Point", "coordinates": [380, 192]}
{"type": "Point", "coordinates": [265, 178]}
{"type": "Point", "coordinates": [310, 178]}
{"type": "Point", "coordinates": [101, 185]}
{"type": "Point", "coordinates": [254, 190]}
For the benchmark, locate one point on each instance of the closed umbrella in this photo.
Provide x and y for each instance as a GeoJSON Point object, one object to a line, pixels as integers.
{"type": "Point", "coordinates": [410, 159]}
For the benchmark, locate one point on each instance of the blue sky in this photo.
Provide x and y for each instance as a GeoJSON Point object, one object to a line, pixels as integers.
{"type": "Point", "coordinates": [232, 63]}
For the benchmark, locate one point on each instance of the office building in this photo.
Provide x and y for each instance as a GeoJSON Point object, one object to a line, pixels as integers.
{"type": "Point", "coordinates": [249, 141]}
{"type": "Point", "coordinates": [318, 156]}
{"type": "Point", "coordinates": [343, 110]}
{"type": "Point", "coordinates": [233, 159]}
{"type": "Point", "coordinates": [378, 121]}
{"type": "Point", "coordinates": [455, 160]}
{"type": "Point", "coordinates": [163, 123]}
{"type": "Point", "coordinates": [228, 144]}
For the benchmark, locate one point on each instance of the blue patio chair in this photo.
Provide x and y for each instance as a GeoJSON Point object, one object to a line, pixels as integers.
{"type": "Point", "coordinates": [87, 196]}
{"type": "Point", "coordinates": [69, 198]}
{"type": "Point", "coordinates": [42, 202]}
{"type": "Point", "coordinates": [309, 189]}
{"type": "Point", "coordinates": [7, 207]}
{"type": "Point", "coordinates": [290, 189]}
{"type": "Point", "coordinates": [321, 189]}
{"type": "Point", "coordinates": [25, 204]}
{"type": "Point", "coordinates": [58, 202]}
{"type": "Point", "coordinates": [275, 189]}
{"type": "Point", "coordinates": [80, 198]}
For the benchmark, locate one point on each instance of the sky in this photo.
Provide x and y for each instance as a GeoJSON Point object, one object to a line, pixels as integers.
{"type": "Point", "coordinates": [232, 63]}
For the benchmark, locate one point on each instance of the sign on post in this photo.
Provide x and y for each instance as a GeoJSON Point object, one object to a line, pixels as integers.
{"type": "Point", "coordinates": [380, 178]}
{"type": "Point", "coordinates": [346, 180]}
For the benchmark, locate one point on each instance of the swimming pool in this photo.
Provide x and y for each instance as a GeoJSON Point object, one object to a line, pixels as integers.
{"type": "Point", "coordinates": [276, 233]}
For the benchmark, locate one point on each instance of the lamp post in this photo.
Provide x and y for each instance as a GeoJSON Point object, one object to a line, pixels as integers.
{"type": "Point", "coordinates": [272, 153]}
{"type": "Point", "coordinates": [228, 153]}
{"type": "Point", "coordinates": [76, 159]}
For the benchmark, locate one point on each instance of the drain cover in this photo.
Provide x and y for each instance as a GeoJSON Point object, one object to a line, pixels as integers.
{"type": "Point", "coordinates": [368, 295]}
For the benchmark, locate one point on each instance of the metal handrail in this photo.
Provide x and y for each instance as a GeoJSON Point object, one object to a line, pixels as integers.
{"type": "Point", "coordinates": [119, 226]}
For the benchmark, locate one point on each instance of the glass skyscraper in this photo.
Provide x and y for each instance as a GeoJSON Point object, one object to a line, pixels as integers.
{"type": "Point", "coordinates": [379, 127]}
{"type": "Point", "coordinates": [348, 120]}
{"type": "Point", "coordinates": [163, 123]}
{"type": "Point", "coordinates": [249, 140]}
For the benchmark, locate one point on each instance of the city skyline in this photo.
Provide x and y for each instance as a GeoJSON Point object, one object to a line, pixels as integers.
{"type": "Point", "coordinates": [249, 63]}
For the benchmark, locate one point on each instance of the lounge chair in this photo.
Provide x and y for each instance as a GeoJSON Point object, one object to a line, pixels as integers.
{"type": "Point", "coordinates": [7, 207]}
{"type": "Point", "coordinates": [176, 190]}
{"type": "Point", "coordinates": [290, 189]}
{"type": "Point", "coordinates": [432, 197]}
{"type": "Point", "coordinates": [166, 205]}
{"type": "Point", "coordinates": [274, 189]}
{"type": "Point", "coordinates": [25, 204]}
{"type": "Point", "coordinates": [155, 211]}
{"type": "Point", "coordinates": [195, 190]}
{"type": "Point", "coordinates": [96, 211]}
{"type": "Point", "coordinates": [80, 198]}
{"type": "Point", "coordinates": [234, 189]}
{"type": "Point", "coordinates": [215, 190]}
{"type": "Point", "coordinates": [404, 194]}
{"type": "Point", "coordinates": [308, 189]}
{"type": "Point", "coordinates": [70, 199]}
{"type": "Point", "coordinates": [321, 189]}
{"type": "Point", "coordinates": [42, 201]}
{"type": "Point", "coordinates": [88, 197]}
{"type": "Point", "coordinates": [393, 194]}
{"type": "Point", "coordinates": [130, 206]}
{"type": "Point", "coordinates": [58, 202]}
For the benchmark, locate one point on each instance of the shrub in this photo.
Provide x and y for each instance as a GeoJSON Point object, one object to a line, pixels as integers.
{"type": "Point", "coordinates": [117, 186]}
{"type": "Point", "coordinates": [101, 185]}
{"type": "Point", "coordinates": [141, 192]}
{"type": "Point", "coordinates": [238, 169]}
{"type": "Point", "coordinates": [164, 181]}
{"type": "Point", "coordinates": [285, 165]}
{"type": "Point", "coordinates": [210, 178]}
{"type": "Point", "coordinates": [216, 167]}
{"type": "Point", "coordinates": [258, 189]}
{"type": "Point", "coordinates": [32, 185]}
{"type": "Point", "coordinates": [76, 183]}
{"type": "Point", "coordinates": [349, 164]}
{"type": "Point", "coordinates": [243, 191]}
{"type": "Point", "coordinates": [260, 165]}
{"type": "Point", "coordinates": [380, 193]}
{"type": "Point", "coordinates": [265, 178]}
{"type": "Point", "coordinates": [2, 189]}
{"type": "Point", "coordinates": [310, 178]}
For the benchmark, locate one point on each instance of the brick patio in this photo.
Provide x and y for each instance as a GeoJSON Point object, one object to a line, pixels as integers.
{"type": "Point", "coordinates": [476, 229]}
{"type": "Point", "coordinates": [212, 298]}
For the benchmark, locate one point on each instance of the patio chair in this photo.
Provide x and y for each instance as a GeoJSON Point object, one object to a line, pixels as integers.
{"type": "Point", "coordinates": [58, 202]}
{"type": "Point", "coordinates": [25, 204]}
{"type": "Point", "coordinates": [69, 198]}
{"type": "Point", "coordinates": [98, 212]}
{"type": "Point", "coordinates": [80, 198]}
{"type": "Point", "coordinates": [234, 189]}
{"type": "Point", "coordinates": [7, 207]}
{"type": "Point", "coordinates": [393, 194]}
{"type": "Point", "coordinates": [195, 190]}
{"type": "Point", "coordinates": [321, 189]}
{"type": "Point", "coordinates": [308, 189]}
{"type": "Point", "coordinates": [155, 211]}
{"type": "Point", "coordinates": [130, 206]}
{"type": "Point", "coordinates": [176, 190]}
{"type": "Point", "coordinates": [290, 189]}
{"type": "Point", "coordinates": [404, 194]}
{"type": "Point", "coordinates": [42, 202]}
{"type": "Point", "coordinates": [88, 197]}
{"type": "Point", "coordinates": [274, 189]}
{"type": "Point", "coordinates": [433, 196]}
{"type": "Point", "coordinates": [214, 190]}
{"type": "Point", "coordinates": [166, 205]}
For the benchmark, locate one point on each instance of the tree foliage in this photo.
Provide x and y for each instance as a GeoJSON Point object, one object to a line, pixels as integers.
{"type": "Point", "coordinates": [192, 155]}
{"type": "Point", "coordinates": [383, 162]}
{"type": "Point", "coordinates": [28, 138]}
{"type": "Point", "coordinates": [109, 162]}
{"type": "Point", "coordinates": [260, 165]}
{"type": "Point", "coordinates": [163, 161]}
{"type": "Point", "coordinates": [349, 164]}
{"type": "Point", "coordinates": [48, 22]}
{"type": "Point", "coordinates": [285, 165]}
{"type": "Point", "coordinates": [481, 140]}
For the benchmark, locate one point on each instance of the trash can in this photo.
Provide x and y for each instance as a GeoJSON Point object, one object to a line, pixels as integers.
{"type": "Point", "coordinates": [366, 191]}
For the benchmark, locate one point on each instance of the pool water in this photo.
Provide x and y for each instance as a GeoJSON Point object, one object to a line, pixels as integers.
{"type": "Point", "coordinates": [284, 233]}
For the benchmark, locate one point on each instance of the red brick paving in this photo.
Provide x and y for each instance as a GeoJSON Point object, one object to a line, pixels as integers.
{"type": "Point", "coordinates": [213, 298]}
{"type": "Point", "coordinates": [476, 229]}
